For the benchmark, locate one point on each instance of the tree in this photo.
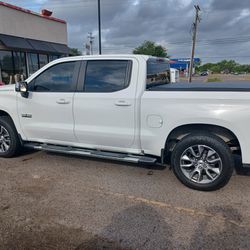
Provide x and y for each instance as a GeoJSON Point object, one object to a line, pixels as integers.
{"type": "Point", "coordinates": [74, 52]}
{"type": "Point", "coordinates": [226, 66]}
{"type": "Point", "coordinates": [151, 48]}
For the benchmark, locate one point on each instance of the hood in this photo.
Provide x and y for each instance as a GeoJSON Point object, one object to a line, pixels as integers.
{"type": "Point", "coordinates": [7, 88]}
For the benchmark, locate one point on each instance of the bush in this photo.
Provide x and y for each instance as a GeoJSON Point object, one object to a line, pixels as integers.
{"type": "Point", "coordinates": [214, 79]}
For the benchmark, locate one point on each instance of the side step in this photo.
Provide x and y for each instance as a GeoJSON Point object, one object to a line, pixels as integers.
{"type": "Point", "coordinates": [93, 153]}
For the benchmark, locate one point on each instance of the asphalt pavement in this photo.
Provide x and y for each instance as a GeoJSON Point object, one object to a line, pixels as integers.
{"type": "Point", "coordinates": [51, 201]}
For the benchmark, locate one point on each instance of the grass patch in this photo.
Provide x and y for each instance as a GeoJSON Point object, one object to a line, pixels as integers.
{"type": "Point", "coordinates": [214, 79]}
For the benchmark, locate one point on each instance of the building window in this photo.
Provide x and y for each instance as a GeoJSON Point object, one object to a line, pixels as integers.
{"type": "Point", "coordinates": [43, 60]}
{"type": "Point", "coordinates": [6, 67]}
{"type": "Point", "coordinates": [19, 65]}
{"type": "Point", "coordinates": [33, 63]}
{"type": "Point", "coordinates": [53, 57]}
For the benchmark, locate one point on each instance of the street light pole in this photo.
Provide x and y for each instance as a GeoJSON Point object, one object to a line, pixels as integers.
{"type": "Point", "coordinates": [99, 27]}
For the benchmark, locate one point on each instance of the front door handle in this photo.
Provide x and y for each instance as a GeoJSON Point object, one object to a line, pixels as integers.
{"type": "Point", "coordinates": [122, 103]}
{"type": "Point", "coordinates": [62, 101]}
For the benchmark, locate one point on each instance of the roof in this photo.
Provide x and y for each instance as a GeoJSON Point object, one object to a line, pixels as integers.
{"type": "Point", "coordinates": [145, 57]}
{"type": "Point", "coordinates": [14, 7]}
{"type": "Point", "coordinates": [121, 56]}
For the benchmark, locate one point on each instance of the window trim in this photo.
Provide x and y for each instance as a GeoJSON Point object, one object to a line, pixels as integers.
{"type": "Point", "coordinates": [74, 79]}
{"type": "Point", "coordinates": [83, 70]}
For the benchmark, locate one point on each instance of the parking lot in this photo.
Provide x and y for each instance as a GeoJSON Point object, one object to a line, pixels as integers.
{"type": "Point", "coordinates": [51, 201]}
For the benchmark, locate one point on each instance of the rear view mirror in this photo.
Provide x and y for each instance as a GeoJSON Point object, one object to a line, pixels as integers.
{"type": "Point", "coordinates": [22, 87]}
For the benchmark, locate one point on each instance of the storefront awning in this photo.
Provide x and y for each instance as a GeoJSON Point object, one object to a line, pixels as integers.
{"type": "Point", "coordinates": [60, 48]}
{"type": "Point", "coordinates": [41, 46]}
{"type": "Point", "coordinates": [14, 42]}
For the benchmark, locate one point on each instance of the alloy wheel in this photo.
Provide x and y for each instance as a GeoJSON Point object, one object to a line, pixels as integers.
{"type": "Point", "coordinates": [201, 164]}
{"type": "Point", "coordinates": [4, 140]}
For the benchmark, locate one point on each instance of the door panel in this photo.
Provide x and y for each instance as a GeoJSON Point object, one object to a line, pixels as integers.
{"type": "Point", "coordinates": [103, 118]}
{"type": "Point", "coordinates": [42, 117]}
{"type": "Point", "coordinates": [46, 115]}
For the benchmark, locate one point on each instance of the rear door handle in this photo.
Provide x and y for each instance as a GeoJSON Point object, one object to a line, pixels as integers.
{"type": "Point", "coordinates": [122, 103]}
{"type": "Point", "coordinates": [62, 101]}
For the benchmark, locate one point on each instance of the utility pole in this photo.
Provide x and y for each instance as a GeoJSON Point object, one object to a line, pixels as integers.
{"type": "Point", "coordinates": [87, 47]}
{"type": "Point", "coordinates": [99, 27]}
{"type": "Point", "coordinates": [194, 32]}
{"type": "Point", "coordinates": [91, 41]}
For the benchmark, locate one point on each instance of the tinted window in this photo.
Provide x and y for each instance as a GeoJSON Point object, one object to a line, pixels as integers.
{"type": "Point", "coordinates": [158, 72]}
{"type": "Point", "coordinates": [107, 75]}
{"type": "Point", "coordinates": [58, 78]}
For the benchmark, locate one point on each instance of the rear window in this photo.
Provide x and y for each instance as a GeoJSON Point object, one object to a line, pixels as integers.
{"type": "Point", "coordinates": [158, 72]}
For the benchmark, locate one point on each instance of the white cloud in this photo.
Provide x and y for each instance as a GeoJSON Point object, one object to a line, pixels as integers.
{"type": "Point", "coordinates": [243, 14]}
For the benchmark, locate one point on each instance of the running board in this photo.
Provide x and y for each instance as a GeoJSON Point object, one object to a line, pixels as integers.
{"type": "Point", "coordinates": [93, 153]}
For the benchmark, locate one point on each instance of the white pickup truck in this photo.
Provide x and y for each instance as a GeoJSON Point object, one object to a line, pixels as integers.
{"type": "Point", "coordinates": [122, 107]}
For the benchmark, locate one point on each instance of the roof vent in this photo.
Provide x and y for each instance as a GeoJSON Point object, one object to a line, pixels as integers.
{"type": "Point", "coordinates": [45, 12]}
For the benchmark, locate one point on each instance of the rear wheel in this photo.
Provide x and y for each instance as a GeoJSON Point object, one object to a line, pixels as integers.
{"type": "Point", "coordinates": [203, 162]}
{"type": "Point", "coordinates": [9, 141]}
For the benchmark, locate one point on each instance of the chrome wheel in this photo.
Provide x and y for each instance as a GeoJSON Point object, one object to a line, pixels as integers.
{"type": "Point", "coordinates": [201, 164]}
{"type": "Point", "coordinates": [4, 140]}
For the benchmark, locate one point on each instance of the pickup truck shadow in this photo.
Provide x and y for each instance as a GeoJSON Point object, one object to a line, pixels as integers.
{"type": "Point", "coordinates": [229, 234]}
{"type": "Point", "coordinates": [136, 227]}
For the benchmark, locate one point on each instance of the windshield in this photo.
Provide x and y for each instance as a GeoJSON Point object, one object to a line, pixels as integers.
{"type": "Point", "coordinates": [158, 72]}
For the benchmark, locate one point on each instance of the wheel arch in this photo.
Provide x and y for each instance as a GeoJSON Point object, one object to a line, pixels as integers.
{"type": "Point", "coordinates": [181, 131]}
{"type": "Point", "coordinates": [5, 113]}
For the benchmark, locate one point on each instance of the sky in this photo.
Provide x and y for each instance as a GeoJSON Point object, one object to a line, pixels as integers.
{"type": "Point", "coordinates": [223, 33]}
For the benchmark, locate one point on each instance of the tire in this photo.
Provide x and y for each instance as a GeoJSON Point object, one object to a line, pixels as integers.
{"type": "Point", "coordinates": [9, 134]}
{"type": "Point", "coordinates": [202, 161]}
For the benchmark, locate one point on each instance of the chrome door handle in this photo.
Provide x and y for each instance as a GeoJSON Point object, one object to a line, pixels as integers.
{"type": "Point", "coordinates": [122, 103]}
{"type": "Point", "coordinates": [62, 101]}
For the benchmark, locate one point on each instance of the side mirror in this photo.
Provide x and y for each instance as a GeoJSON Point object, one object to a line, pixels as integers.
{"type": "Point", "coordinates": [22, 87]}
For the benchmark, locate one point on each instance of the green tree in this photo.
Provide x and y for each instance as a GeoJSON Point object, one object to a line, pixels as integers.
{"type": "Point", "coordinates": [151, 48]}
{"type": "Point", "coordinates": [74, 52]}
{"type": "Point", "coordinates": [225, 65]}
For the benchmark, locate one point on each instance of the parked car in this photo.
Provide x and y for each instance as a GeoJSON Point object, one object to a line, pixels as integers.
{"type": "Point", "coordinates": [122, 107]}
{"type": "Point", "coordinates": [205, 73]}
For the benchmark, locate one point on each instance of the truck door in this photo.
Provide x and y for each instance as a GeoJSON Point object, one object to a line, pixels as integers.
{"type": "Point", "coordinates": [104, 106]}
{"type": "Point", "coordinates": [46, 115]}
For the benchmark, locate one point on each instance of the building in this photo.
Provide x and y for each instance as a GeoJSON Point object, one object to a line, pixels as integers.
{"type": "Point", "coordinates": [182, 64]}
{"type": "Point", "coordinates": [28, 41]}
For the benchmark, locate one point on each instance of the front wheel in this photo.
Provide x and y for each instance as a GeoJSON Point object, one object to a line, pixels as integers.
{"type": "Point", "coordinates": [9, 141]}
{"type": "Point", "coordinates": [202, 162]}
